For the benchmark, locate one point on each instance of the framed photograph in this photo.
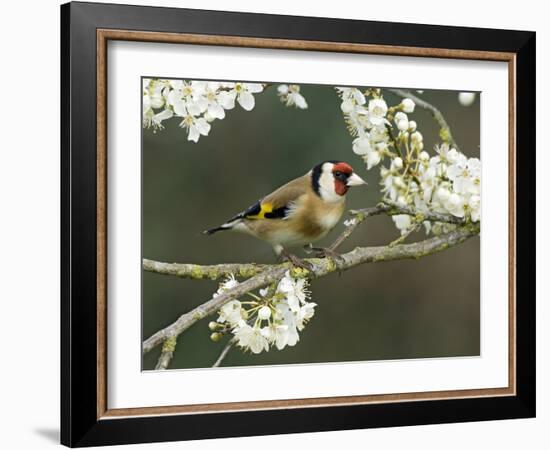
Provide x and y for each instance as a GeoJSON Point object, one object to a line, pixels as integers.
{"type": "Point", "coordinates": [276, 224]}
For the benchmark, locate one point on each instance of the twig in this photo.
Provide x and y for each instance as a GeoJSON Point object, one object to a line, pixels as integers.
{"type": "Point", "coordinates": [445, 132]}
{"type": "Point", "coordinates": [319, 268]}
{"type": "Point", "coordinates": [360, 215]}
{"type": "Point", "coordinates": [168, 349]}
{"type": "Point", "coordinates": [224, 353]}
{"type": "Point", "coordinates": [403, 236]}
{"type": "Point", "coordinates": [393, 209]}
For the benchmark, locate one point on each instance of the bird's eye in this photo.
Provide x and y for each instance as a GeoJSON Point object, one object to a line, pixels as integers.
{"type": "Point", "coordinates": [337, 173]}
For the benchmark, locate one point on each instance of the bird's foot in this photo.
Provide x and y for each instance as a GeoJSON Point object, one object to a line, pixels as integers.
{"type": "Point", "coordinates": [325, 252]}
{"type": "Point", "coordinates": [295, 260]}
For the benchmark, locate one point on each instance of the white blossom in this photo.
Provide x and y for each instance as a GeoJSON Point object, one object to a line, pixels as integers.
{"type": "Point", "coordinates": [214, 108]}
{"type": "Point", "coordinates": [402, 222]}
{"type": "Point", "coordinates": [305, 313]}
{"type": "Point", "coordinates": [229, 283]}
{"type": "Point", "coordinates": [362, 145]}
{"type": "Point", "coordinates": [251, 338]}
{"type": "Point", "coordinates": [281, 336]}
{"type": "Point", "coordinates": [290, 96]}
{"type": "Point", "coordinates": [448, 182]}
{"type": "Point", "coordinates": [351, 97]}
{"type": "Point", "coordinates": [271, 320]}
{"type": "Point", "coordinates": [289, 334]}
{"type": "Point", "coordinates": [154, 99]}
{"type": "Point", "coordinates": [294, 291]}
{"type": "Point", "coordinates": [455, 205]}
{"type": "Point", "coordinates": [198, 103]}
{"type": "Point", "coordinates": [242, 92]}
{"type": "Point", "coordinates": [231, 312]}
{"type": "Point", "coordinates": [377, 111]}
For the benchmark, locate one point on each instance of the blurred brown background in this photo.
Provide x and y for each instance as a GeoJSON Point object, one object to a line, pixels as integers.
{"type": "Point", "coordinates": [390, 310]}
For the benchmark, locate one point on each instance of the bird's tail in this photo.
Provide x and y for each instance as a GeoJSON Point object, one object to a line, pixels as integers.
{"type": "Point", "coordinates": [224, 227]}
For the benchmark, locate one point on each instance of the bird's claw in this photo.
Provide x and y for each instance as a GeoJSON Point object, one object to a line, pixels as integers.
{"type": "Point", "coordinates": [296, 261]}
{"type": "Point", "coordinates": [323, 252]}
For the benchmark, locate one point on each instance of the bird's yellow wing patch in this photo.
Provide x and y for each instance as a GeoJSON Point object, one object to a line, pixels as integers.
{"type": "Point", "coordinates": [265, 208]}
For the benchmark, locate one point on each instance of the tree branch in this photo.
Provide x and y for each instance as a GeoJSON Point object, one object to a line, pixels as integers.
{"type": "Point", "coordinates": [269, 275]}
{"type": "Point", "coordinates": [320, 267]}
{"type": "Point", "coordinates": [393, 209]}
{"type": "Point", "coordinates": [198, 272]}
{"type": "Point", "coordinates": [248, 270]}
{"type": "Point", "coordinates": [224, 353]}
{"type": "Point", "coordinates": [168, 349]}
{"type": "Point", "coordinates": [445, 130]}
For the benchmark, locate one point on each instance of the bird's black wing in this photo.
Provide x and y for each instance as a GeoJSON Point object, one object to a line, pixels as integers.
{"type": "Point", "coordinates": [262, 210]}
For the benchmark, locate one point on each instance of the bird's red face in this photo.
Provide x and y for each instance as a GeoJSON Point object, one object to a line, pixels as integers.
{"type": "Point", "coordinates": [332, 179]}
{"type": "Point", "coordinates": [341, 172]}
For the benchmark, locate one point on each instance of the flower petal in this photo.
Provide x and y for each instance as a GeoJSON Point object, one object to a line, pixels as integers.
{"type": "Point", "coordinates": [226, 99]}
{"type": "Point", "coordinates": [246, 100]}
{"type": "Point", "coordinates": [216, 111]}
{"type": "Point", "coordinates": [193, 134]}
{"type": "Point", "coordinates": [253, 87]}
{"type": "Point", "coordinates": [300, 101]}
{"type": "Point", "coordinates": [202, 126]}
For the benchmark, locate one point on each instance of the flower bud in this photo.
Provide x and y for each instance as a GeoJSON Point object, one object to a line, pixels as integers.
{"type": "Point", "coordinates": [424, 156]}
{"type": "Point", "coordinates": [403, 125]}
{"type": "Point", "coordinates": [264, 313]}
{"type": "Point", "coordinates": [216, 337]}
{"type": "Point", "coordinates": [412, 126]}
{"type": "Point", "coordinates": [407, 105]}
{"type": "Point", "coordinates": [397, 163]}
{"type": "Point", "coordinates": [417, 137]}
{"type": "Point", "coordinates": [400, 116]}
{"type": "Point", "coordinates": [466, 98]}
{"type": "Point", "coordinates": [213, 326]}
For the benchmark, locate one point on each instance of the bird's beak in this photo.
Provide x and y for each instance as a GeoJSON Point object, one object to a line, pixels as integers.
{"type": "Point", "coordinates": [355, 180]}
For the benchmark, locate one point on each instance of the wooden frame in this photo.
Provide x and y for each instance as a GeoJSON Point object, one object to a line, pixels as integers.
{"type": "Point", "coordinates": [86, 418]}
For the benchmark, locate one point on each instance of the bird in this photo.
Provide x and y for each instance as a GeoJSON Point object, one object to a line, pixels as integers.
{"type": "Point", "coordinates": [299, 212]}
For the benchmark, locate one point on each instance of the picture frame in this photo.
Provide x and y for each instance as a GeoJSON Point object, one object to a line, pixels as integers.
{"type": "Point", "coordinates": [86, 29]}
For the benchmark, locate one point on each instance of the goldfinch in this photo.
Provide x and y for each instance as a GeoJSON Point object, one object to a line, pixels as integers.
{"type": "Point", "coordinates": [300, 212]}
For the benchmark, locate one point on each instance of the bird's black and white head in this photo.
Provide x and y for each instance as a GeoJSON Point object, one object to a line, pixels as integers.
{"type": "Point", "coordinates": [332, 179]}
